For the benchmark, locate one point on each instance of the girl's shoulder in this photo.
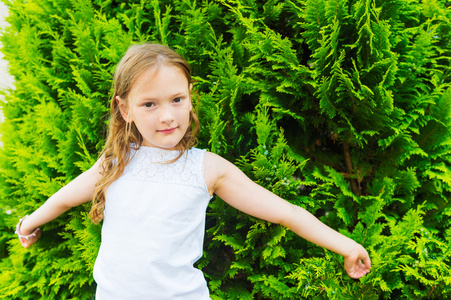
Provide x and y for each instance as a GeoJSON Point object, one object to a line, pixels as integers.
{"type": "Point", "coordinates": [209, 158]}
{"type": "Point", "coordinates": [212, 160]}
{"type": "Point", "coordinates": [215, 168]}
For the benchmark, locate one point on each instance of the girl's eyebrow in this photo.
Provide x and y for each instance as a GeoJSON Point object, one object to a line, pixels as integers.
{"type": "Point", "coordinates": [147, 99]}
{"type": "Point", "coordinates": [170, 97]}
{"type": "Point", "coordinates": [182, 94]}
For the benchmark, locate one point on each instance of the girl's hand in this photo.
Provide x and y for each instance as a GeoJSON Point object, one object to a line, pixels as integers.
{"type": "Point", "coordinates": [31, 240]}
{"type": "Point", "coordinates": [27, 237]}
{"type": "Point", "coordinates": [357, 264]}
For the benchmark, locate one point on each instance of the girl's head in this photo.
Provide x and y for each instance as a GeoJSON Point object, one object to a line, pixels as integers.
{"type": "Point", "coordinates": [151, 106]}
{"type": "Point", "coordinates": [138, 71]}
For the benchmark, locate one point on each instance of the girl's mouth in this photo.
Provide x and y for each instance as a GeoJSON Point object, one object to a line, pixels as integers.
{"type": "Point", "coordinates": [167, 130]}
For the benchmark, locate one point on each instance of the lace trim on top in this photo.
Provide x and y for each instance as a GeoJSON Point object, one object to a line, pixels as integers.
{"type": "Point", "coordinates": [153, 164]}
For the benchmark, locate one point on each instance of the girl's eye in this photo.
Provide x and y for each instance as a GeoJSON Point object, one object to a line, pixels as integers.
{"type": "Point", "coordinates": [178, 100]}
{"type": "Point", "coordinates": [149, 104]}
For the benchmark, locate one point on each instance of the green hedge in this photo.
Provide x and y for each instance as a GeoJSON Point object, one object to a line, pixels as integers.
{"type": "Point", "coordinates": [342, 107]}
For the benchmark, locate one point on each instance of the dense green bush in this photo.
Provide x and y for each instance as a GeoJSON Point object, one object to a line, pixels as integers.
{"type": "Point", "coordinates": [342, 107]}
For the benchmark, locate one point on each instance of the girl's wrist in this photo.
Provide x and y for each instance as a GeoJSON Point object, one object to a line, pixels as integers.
{"type": "Point", "coordinates": [354, 248]}
{"type": "Point", "coordinates": [348, 247]}
{"type": "Point", "coordinates": [23, 232]}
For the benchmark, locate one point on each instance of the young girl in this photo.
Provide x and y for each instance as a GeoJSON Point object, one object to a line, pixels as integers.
{"type": "Point", "coordinates": [152, 188]}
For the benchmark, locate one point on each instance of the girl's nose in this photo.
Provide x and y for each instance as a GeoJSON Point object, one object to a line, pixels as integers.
{"type": "Point", "coordinates": [166, 114]}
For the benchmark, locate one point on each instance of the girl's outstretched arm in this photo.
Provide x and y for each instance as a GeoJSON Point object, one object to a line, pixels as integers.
{"type": "Point", "coordinates": [76, 192]}
{"type": "Point", "coordinates": [234, 187]}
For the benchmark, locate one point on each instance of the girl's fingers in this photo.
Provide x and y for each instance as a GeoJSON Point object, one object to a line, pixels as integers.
{"type": "Point", "coordinates": [367, 263]}
{"type": "Point", "coordinates": [357, 267]}
{"type": "Point", "coordinates": [27, 243]}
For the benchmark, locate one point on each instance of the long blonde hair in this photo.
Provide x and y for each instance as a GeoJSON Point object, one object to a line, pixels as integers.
{"type": "Point", "coordinates": [123, 135]}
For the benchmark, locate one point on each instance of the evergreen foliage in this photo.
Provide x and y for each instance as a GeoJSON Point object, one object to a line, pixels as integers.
{"type": "Point", "coordinates": [341, 107]}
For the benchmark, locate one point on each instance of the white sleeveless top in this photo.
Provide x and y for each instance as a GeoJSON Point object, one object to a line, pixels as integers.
{"type": "Point", "coordinates": [153, 229]}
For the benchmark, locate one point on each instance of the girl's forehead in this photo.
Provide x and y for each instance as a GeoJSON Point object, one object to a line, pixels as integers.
{"type": "Point", "coordinates": [160, 79]}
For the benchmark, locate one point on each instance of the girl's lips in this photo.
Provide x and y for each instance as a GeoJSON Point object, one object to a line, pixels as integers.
{"type": "Point", "coordinates": [167, 130]}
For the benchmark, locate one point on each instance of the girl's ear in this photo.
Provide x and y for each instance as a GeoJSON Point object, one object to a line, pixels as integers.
{"type": "Point", "coordinates": [123, 108]}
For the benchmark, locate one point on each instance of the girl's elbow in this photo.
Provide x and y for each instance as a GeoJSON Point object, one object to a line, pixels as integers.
{"type": "Point", "coordinates": [291, 216]}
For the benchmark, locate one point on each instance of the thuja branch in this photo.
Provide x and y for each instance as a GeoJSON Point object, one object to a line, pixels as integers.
{"type": "Point", "coordinates": [348, 163]}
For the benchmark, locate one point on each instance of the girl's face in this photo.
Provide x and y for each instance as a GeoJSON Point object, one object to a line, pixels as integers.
{"type": "Point", "coordinates": [160, 107]}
